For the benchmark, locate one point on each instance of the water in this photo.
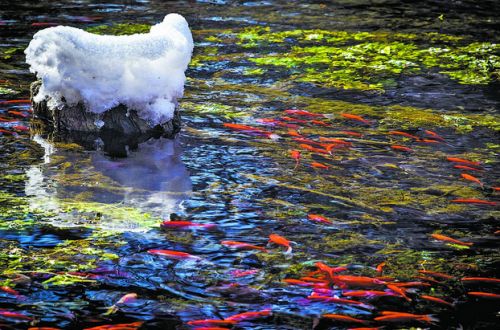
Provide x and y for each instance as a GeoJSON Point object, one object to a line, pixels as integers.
{"type": "Point", "coordinates": [77, 221]}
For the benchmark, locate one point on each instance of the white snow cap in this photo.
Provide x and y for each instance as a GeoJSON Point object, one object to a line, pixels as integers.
{"type": "Point", "coordinates": [145, 72]}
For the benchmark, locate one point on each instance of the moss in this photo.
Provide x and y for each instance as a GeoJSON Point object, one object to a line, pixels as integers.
{"type": "Point", "coordinates": [214, 109]}
{"type": "Point", "coordinates": [119, 29]}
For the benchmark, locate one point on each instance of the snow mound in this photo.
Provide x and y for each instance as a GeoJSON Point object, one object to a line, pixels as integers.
{"type": "Point", "coordinates": [144, 72]}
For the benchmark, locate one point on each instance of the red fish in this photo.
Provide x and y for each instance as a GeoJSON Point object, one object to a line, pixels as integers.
{"type": "Point", "coordinates": [355, 117]}
{"type": "Point", "coordinates": [380, 267]}
{"type": "Point", "coordinates": [473, 201]}
{"type": "Point", "coordinates": [308, 141]}
{"type": "Point", "coordinates": [329, 270]}
{"type": "Point", "coordinates": [186, 224]}
{"type": "Point", "coordinates": [449, 239]}
{"type": "Point", "coordinates": [172, 254]}
{"type": "Point", "coordinates": [294, 133]}
{"type": "Point", "coordinates": [343, 318]}
{"type": "Point", "coordinates": [481, 279]}
{"type": "Point", "coordinates": [320, 123]}
{"type": "Point", "coordinates": [319, 165]}
{"type": "Point", "coordinates": [404, 134]}
{"type": "Point", "coordinates": [210, 322]}
{"type": "Point", "coordinates": [367, 293]}
{"type": "Point", "coordinates": [43, 328]}
{"type": "Point", "coordinates": [466, 168]}
{"type": "Point", "coordinates": [303, 113]}
{"type": "Point", "coordinates": [434, 135]}
{"type": "Point", "coordinates": [404, 317]}
{"type": "Point", "coordinates": [242, 245]}
{"type": "Point", "coordinates": [401, 148]}
{"type": "Point", "coordinates": [429, 141]}
{"type": "Point", "coordinates": [461, 160]}
{"type": "Point", "coordinates": [9, 290]}
{"type": "Point", "coordinates": [334, 140]}
{"type": "Point", "coordinates": [15, 101]}
{"type": "Point", "coordinates": [484, 294]}
{"type": "Point", "coordinates": [313, 279]}
{"type": "Point", "coordinates": [351, 133]}
{"type": "Point", "coordinates": [249, 315]}
{"type": "Point", "coordinates": [18, 113]}
{"type": "Point", "coordinates": [398, 290]}
{"type": "Point", "coordinates": [436, 299]}
{"type": "Point", "coordinates": [348, 280]}
{"type": "Point", "coordinates": [242, 273]}
{"type": "Point", "coordinates": [250, 129]}
{"type": "Point", "coordinates": [471, 178]}
{"type": "Point", "coordinates": [120, 326]}
{"type": "Point", "coordinates": [13, 315]}
{"type": "Point", "coordinates": [295, 120]}
{"type": "Point", "coordinates": [3, 131]}
{"type": "Point", "coordinates": [313, 149]}
{"type": "Point", "coordinates": [21, 128]}
{"type": "Point", "coordinates": [295, 154]}
{"type": "Point", "coordinates": [436, 274]}
{"type": "Point", "coordinates": [280, 240]}
{"type": "Point", "coordinates": [318, 218]}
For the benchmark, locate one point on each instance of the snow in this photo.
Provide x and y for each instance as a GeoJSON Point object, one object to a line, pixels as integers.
{"type": "Point", "coordinates": [144, 72]}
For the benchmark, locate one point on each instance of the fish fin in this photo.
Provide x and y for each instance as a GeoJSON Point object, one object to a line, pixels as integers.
{"type": "Point", "coordinates": [288, 252]}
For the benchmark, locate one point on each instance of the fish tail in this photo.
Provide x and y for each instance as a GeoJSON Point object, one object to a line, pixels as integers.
{"type": "Point", "coordinates": [288, 251]}
{"type": "Point", "coordinates": [430, 318]}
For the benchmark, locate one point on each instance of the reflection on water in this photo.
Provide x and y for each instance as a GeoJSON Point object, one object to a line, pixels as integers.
{"type": "Point", "coordinates": [125, 193]}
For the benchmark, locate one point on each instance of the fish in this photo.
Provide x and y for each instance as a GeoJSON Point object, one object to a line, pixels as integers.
{"type": "Point", "coordinates": [404, 317]}
{"type": "Point", "coordinates": [294, 119]}
{"type": "Point", "coordinates": [4, 131]}
{"type": "Point", "coordinates": [473, 201]}
{"type": "Point", "coordinates": [461, 160]}
{"type": "Point", "coordinates": [313, 149]}
{"type": "Point", "coordinates": [280, 240]}
{"type": "Point", "coordinates": [401, 148]}
{"type": "Point", "coordinates": [318, 218]}
{"type": "Point", "coordinates": [467, 168]}
{"type": "Point", "coordinates": [471, 178]}
{"type": "Point", "coordinates": [355, 117]}
{"type": "Point", "coordinates": [210, 322]}
{"type": "Point", "coordinates": [249, 315]}
{"type": "Point", "coordinates": [428, 141]}
{"type": "Point", "coordinates": [21, 128]}
{"type": "Point", "coordinates": [367, 293]}
{"type": "Point", "coordinates": [250, 129]}
{"type": "Point", "coordinates": [484, 294]}
{"type": "Point", "coordinates": [320, 123]}
{"type": "Point", "coordinates": [428, 279]}
{"type": "Point", "coordinates": [18, 113]}
{"type": "Point", "coordinates": [181, 224]}
{"type": "Point", "coordinates": [380, 267]}
{"type": "Point", "coordinates": [303, 113]}
{"type": "Point", "coordinates": [243, 245]}
{"type": "Point", "coordinates": [313, 279]}
{"type": "Point", "coordinates": [294, 133]}
{"type": "Point", "coordinates": [119, 326]}
{"type": "Point", "coordinates": [43, 328]}
{"type": "Point", "coordinates": [319, 165]}
{"type": "Point", "coordinates": [451, 240]}
{"type": "Point", "coordinates": [481, 279]}
{"type": "Point", "coordinates": [434, 135]}
{"type": "Point", "coordinates": [436, 299]}
{"type": "Point", "coordinates": [334, 140]}
{"type": "Point", "coordinates": [410, 284]}
{"type": "Point", "coordinates": [329, 270]}
{"type": "Point", "coordinates": [399, 291]}
{"type": "Point", "coordinates": [26, 101]}
{"type": "Point", "coordinates": [9, 290]}
{"type": "Point", "coordinates": [343, 318]}
{"type": "Point", "coordinates": [295, 154]}
{"type": "Point", "coordinates": [44, 24]}
{"type": "Point", "coordinates": [172, 254]}
{"type": "Point", "coordinates": [14, 315]}
{"type": "Point", "coordinates": [349, 280]}
{"type": "Point", "coordinates": [242, 273]}
{"type": "Point", "coordinates": [404, 134]}
{"type": "Point", "coordinates": [436, 274]}
{"type": "Point", "coordinates": [307, 141]}
{"type": "Point", "coordinates": [351, 133]}
{"type": "Point", "coordinates": [127, 298]}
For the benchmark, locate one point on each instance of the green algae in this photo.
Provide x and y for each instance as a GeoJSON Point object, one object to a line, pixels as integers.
{"type": "Point", "coordinates": [119, 29]}
{"type": "Point", "coordinates": [214, 109]}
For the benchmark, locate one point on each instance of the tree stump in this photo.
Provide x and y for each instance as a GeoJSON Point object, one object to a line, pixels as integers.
{"type": "Point", "coordinates": [118, 128]}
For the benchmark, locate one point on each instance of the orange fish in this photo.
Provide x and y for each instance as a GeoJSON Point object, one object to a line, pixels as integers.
{"type": "Point", "coordinates": [9, 290]}
{"type": "Point", "coordinates": [436, 274]}
{"type": "Point", "coordinates": [399, 291]}
{"type": "Point", "coordinates": [349, 280]}
{"type": "Point", "coordinates": [120, 326]}
{"type": "Point", "coordinates": [467, 168]}
{"type": "Point", "coordinates": [210, 322]}
{"type": "Point", "coordinates": [401, 148]}
{"type": "Point", "coordinates": [471, 178]}
{"type": "Point", "coordinates": [294, 133]}
{"type": "Point", "coordinates": [186, 224]}
{"type": "Point", "coordinates": [329, 270]}
{"type": "Point", "coordinates": [43, 328]}
{"type": "Point", "coordinates": [428, 279]}
{"type": "Point", "coordinates": [18, 113]}
{"type": "Point", "coordinates": [295, 154]}
{"type": "Point", "coordinates": [249, 315]}
{"type": "Point", "coordinates": [449, 239]}
{"type": "Point", "coordinates": [436, 299]}
{"type": "Point", "coordinates": [461, 160]}
{"type": "Point", "coordinates": [351, 133]}
{"type": "Point", "coordinates": [242, 245]}
{"type": "Point", "coordinates": [343, 318]}
{"type": "Point", "coordinates": [404, 317]}
{"type": "Point", "coordinates": [318, 218]}
{"type": "Point", "coordinates": [313, 149]}
{"type": "Point", "coordinates": [355, 117]}
{"type": "Point", "coordinates": [484, 294]}
{"type": "Point", "coordinates": [404, 134]}
{"type": "Point", "coordinates": [250, 129]}
{"type": "Point", "coordinates": [319, 165]}
{"type": "Point", "coordinates": [293, 281]}
{"type": "Point", "coordinates": [172, 254]}
{"type": "Point", "coordinates": [294, 119]}
{"type": "Point", "coordinates": [480, 279]}
{"type": "Point", "coordinates": [473, 201]}
{"type": "Point", "coordinates": [320, 123]}
{"type": "Point", "coordinates": [434, 135]}
{"type": "Point", "coordinates": [15, 101]}
{"type": "Point", "coordinates": [280, 240]}
{"type": "Point", "coordinates": [314, 279]}
{"type": "Point", "coordinates": [13, 315]}
{"type": "Point", "coordinates": [6, 132]}
{"type": "Point", "coordinates": [380, 267]}
{"type": "Point", "coordinates": [307, 141]}
{"type": "Point", "coordinates": [429, 141]}
{"type": "Point", "coordinates": [334, 140]}
{"type": "Point", "coordinates": [303, 113]}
